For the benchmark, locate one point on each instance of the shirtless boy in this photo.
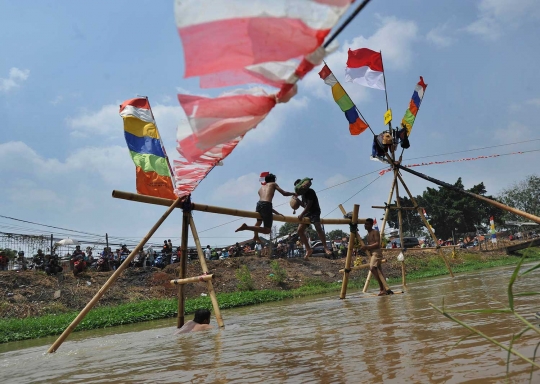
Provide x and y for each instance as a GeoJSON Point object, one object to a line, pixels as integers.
{"type": "Point", "coordinates": [264, 208]}
{"type": "Point", "coordinates": [374, 245]}
{"type": "Point", "coordinates": [200, 322]}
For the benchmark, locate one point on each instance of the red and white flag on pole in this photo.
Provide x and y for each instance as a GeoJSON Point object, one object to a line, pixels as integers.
{"type": "Point", "coordinates": [365, 67]}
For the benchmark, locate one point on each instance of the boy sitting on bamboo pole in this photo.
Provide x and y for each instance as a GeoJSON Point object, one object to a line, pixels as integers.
{"type": "Point", "coordinates": [373, 244]}
{"type": "Point", "coordinates": [264, 208]}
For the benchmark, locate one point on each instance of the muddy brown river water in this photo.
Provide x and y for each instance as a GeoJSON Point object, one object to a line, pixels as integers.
{"type": "Point", "coordinates": [363, 339]}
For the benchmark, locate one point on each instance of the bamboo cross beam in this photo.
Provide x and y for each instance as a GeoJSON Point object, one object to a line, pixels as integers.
{"type": "Point", "coordinates": [363, 266]}
{"type": "Point", "coordinates": [225, 211]}
{"type": "Point", "coordinates": [392, 207]}
{"type": "Point", "coordinates": [195, 279]}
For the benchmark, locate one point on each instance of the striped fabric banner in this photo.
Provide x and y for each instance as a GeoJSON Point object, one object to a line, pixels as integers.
{"type": "Point", "coordinates": [414, 105]}
{"type": "Point", "coordinates": [142, 137]}
{"type": "Point", "coordinates": [356, 124]}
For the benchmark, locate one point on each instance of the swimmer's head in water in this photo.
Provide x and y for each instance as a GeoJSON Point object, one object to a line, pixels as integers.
{"type": "Point", "coordinates": [202, 316]}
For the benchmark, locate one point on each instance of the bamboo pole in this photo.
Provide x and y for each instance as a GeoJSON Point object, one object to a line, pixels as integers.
{"type": "Point", "coordinates": [224, 211]}
{"type": "Point", "coordinates": [428, 227]}
{"type": "Point", "coordinates": [180, 320]}
{"type": "Point", "coordinates": [349, 255]}
{"type": "Point", "coordinates": [502, 206]}
{"type": "Point", "coordinates": [113, 278]}
{"type": "Point", "coordinates": [363, 266]}
{"type": "Point", "coordinates": [400, 220]}
{"type": "Point", "coordinates": [202, 261]}
{"type": "Point", "coordinates": [196, 279]}
{"type": "Point", "coordinates": [392, 207]}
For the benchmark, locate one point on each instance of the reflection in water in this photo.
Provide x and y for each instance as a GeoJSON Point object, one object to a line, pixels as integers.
{"type": "Point", "coordinates": [363, 339]}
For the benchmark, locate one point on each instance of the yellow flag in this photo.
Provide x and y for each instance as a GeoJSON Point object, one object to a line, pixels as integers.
{"type": "Point", "coordinates": [387, 117]}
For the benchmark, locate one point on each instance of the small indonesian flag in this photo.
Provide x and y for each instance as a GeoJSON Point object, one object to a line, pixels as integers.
{"type": "Point", "coordinates": [365, 67]}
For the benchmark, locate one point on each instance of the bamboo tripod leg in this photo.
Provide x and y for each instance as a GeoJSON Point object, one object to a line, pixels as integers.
{"type": "Point", "coordinates": [400, 220]}
{"type": "Point", "coordinates": [428, 227]}
{"type": "Point", "coordinates": [209, 284]}
{"type": "Point", "coordinates": [112, 279]}
{"type": "Point", "coordinates": [349, 255]}
{"type": "Point", "coordinates": [182, 270]}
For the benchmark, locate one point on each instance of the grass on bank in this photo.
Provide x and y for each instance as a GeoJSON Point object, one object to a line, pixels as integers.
{"type": "Point", "coordinates": [101, 317]}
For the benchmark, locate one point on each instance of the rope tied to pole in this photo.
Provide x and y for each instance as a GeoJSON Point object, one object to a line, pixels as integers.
{"type": "Point", "coordinates": [353, 228]}
{"type": "Point", "coordinates": [347, 270]}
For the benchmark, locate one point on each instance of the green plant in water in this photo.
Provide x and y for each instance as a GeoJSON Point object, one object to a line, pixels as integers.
{"type": "Point", "coordinates": [279, 274]}
{"type": "Point", "coordinates": [508, 310]}
{"type": "Point", "coordinates": [245, 281]}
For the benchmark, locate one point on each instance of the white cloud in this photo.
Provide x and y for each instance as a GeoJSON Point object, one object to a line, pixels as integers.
{"type": "Point", "coordinates": [394, 38]}
{"type": "Point", "coordinates": [243, 186]}
{"type": "Point", "coordinates": [110, 163]}
{"type": "Point", "coordinates": [439, 36]}
{"type": "Point", "coordinates": [514, 129]}
{"type": "Point", "coordinates": [534, 102]}
{"type": "Point", "coordinates": [14, 80]}
{"type": "Point", "coordinates": [496, 15]}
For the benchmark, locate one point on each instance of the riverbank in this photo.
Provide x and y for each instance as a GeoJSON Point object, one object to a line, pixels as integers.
{"type": "Point", "coordinates": [296, 278]}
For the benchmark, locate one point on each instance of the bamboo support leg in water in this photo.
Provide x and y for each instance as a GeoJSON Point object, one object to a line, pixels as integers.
{"type": "Point", "coordinates": [400, 220]}
{"type": "Point", "coordinates": [209, 284]}
{"type": "Point", "coordinates": [112, 279]}
{"type": "Point", "coordinates": [428, 227]}
{"type": "Point", "coordinates": [182, 270]}
{"type": "Point", "coordinates": [349, 255]}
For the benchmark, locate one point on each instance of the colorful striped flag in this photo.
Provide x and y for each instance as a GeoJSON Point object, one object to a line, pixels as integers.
{"type": "Point", "coordinates": [365, 67]}
{"type": "Point", "coordinates": [153, 173]}
{"type": "Point", "coordinates": [375, 225]}
{"type": "Point", "coordinates": [414, 105]}
{"type": "Point", "coordinates": [356, 124]}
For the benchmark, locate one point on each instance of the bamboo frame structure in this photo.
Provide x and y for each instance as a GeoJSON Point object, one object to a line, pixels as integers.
{"type": "Point", "coordinates": [194, 279]}
{"type": "Point", "coordinates": [348, 260]}
{"type": "Point", "coordinates": [224, 211]}
{"type": "Point", "coordinates": [182, 270]}
{"type": "Point", "coordinates": [363, 266]}
{"type": "Point", "coordinates": [202, 261]}
{"type": "Point", "coordinates": [113, 278]}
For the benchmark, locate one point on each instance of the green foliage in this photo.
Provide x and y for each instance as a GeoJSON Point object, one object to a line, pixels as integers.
{"type": "Point", "coordinates": [11, 254]}
{"type": "Point", "coordinates": [336, 234]}
{"type": "Point", "coordinates": [524, 196]}
{"type": "Point", "coordinates": [447, 209]}
{"type": "Point", "coordinates": [245, 281]}
{"type": "Point", "coordinates": [289, 228]}
{"type": "Point", "coordinates": [279, 274]}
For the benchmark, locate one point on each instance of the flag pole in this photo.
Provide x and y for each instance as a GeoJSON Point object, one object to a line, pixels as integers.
{"type": "Point", "coordinates": [161, 142]}
{"type": "Point", "coordinates": [385, 92]}
{"type": "Point", "coordinates": [346, 22]}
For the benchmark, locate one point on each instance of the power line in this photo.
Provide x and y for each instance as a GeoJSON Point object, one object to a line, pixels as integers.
{"type": "Point", "coordinates": [474, 149]}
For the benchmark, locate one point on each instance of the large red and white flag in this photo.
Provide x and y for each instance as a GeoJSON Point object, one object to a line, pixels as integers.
{"type": "Point", "coordinates": [365, 67]}
{"type": "Point", "coordinates": [220, 35]}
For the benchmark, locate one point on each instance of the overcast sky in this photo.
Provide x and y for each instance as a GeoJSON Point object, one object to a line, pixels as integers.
{"type": "Point", "coordinates": [67, 65]}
